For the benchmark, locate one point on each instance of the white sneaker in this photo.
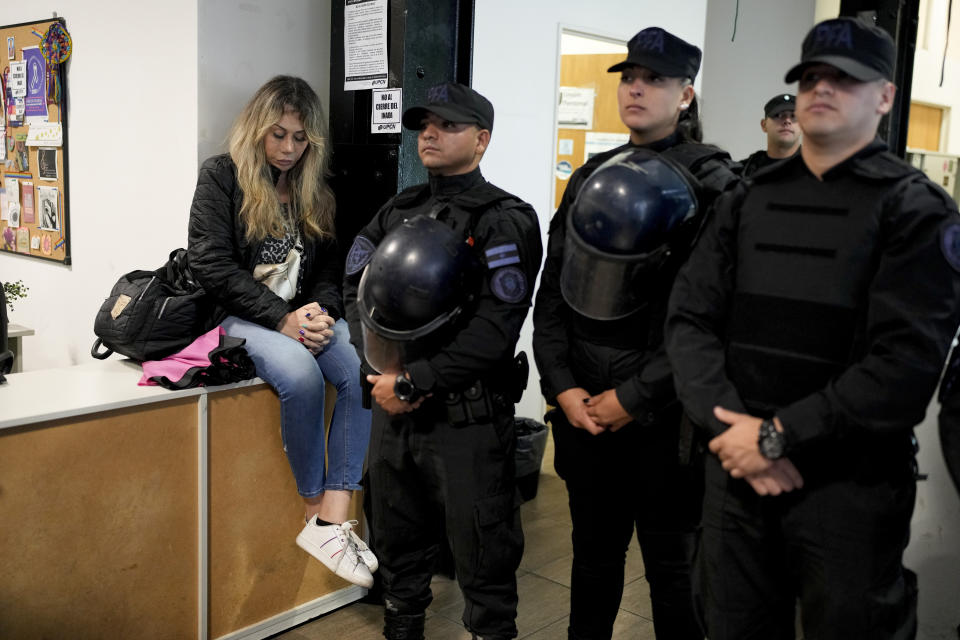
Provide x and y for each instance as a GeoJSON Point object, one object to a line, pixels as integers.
{"type": "Point", "coordinates": [331, 545]}
{"type": "Point", "coordinates": [360, 546]}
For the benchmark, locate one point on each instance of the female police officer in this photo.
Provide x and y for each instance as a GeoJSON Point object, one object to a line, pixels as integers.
{"type": "Point", "coordinates": [602, 362]}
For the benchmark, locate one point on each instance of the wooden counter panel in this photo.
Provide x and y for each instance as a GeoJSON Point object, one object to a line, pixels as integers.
{"type": "Point", "coordinates": [99, 525]}
{"type": "Point", "coordinates": [256, 569]}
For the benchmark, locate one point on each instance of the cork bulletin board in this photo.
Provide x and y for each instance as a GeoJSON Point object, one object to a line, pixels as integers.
{"type": "Point", "coordinates": [34, 175]}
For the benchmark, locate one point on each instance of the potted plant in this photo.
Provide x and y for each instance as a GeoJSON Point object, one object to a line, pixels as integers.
{"type": "Point", "coordinates": [14, 291]}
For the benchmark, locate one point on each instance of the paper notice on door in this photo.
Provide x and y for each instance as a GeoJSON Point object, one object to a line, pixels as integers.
{"type": "Point", "coordinates": [387, 107]}
{"type": "Point", "coordinates": [575, 110]}
{"type": "Point", "coordinates": [365, 44]}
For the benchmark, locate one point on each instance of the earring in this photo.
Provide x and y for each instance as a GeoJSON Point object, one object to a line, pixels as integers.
{"type": "Point", "coordinates": [684, 106]}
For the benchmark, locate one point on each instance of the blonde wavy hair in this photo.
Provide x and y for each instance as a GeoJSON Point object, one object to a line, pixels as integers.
{"type": "Point", "coordinates": [311, 200]}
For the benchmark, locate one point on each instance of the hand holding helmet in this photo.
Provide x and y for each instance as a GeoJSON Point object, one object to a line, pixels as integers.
{"type": "Point", "coordinates": [417, 283]}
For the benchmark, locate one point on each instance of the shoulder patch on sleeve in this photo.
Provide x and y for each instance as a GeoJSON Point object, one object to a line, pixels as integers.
{"type": "Point", "coordinates": [950, 244]}
{"type": "Point", "coordinates": [509, 284]}
{"type": "Point", "coordinates": [502, 255]}
{"type": "Point", "coordinates": [360, 254]}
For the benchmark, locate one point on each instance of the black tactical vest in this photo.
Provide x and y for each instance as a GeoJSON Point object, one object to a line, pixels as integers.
{"type": "Point", "coordinates": [475, 201]}
{"type": "Point", "coordinates": [807, 252]}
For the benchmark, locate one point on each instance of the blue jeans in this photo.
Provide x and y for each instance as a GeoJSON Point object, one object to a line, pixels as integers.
{"type": "Point", "coordinates": [298, 376]}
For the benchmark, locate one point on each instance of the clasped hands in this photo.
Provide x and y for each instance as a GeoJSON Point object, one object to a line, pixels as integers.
{"type": "Point", "coordinates": [595, 414]}
{"type": "Point", "coordinates": [309, 325]}
{"type": "Point", "coordinates": [736, 447]}
{"type": "Point", "coordinates": [740, 455]}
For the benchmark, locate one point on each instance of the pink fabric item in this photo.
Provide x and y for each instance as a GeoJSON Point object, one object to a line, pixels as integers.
{"type": "Point", "coordinates": [195, 354]}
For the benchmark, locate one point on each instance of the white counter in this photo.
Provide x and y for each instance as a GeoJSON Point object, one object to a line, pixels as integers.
{"type": "Point", "coordinates": [102, 385]}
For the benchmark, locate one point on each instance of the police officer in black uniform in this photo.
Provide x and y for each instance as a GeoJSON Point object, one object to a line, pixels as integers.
{"type": "Point", "coordinates": [807, 332]}
{"type": "Point", "coordinates": [779, 123]}
{"type": "Point", "coordinates": [442, 442]}
{"type": "Point", "coordinates": [617, 425]}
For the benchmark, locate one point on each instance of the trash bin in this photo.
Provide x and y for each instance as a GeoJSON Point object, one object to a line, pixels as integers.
{"type": "Point", "coordinates": [531, 443]}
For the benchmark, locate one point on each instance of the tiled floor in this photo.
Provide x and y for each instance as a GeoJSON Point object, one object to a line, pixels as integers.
{"type": "Point", "coordinates": [543, 581]}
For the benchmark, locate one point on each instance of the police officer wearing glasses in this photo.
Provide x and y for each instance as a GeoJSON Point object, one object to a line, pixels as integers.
{"type": "Point", "coordinates": [807, 332]}
{"type": "Point", "coordinates": [624, 226]}
{"type": "Point", "coordinates": [437, 286]}
{"type": "Point", "coordinates": [779, 123]}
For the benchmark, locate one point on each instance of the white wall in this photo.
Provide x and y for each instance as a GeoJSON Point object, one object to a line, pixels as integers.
{"type": "Point", "coordinates": [133, 162]}
{"type": "Point", "coordinates": [739, 77]}
{"type": "Point", "coordinates": [244, 43]}
{"type": "Point", "coordinates": [515, 62]}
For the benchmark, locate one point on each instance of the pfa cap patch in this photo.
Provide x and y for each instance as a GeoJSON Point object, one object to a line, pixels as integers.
{"type": "Point", "coordinates": [439, 94]}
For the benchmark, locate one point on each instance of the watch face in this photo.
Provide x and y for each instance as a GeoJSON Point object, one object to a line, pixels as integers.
{"type": "Point", "coordinates": [771, 448]}
{"type": "Point", "coordinates": [771, 442]}
{"type": "Point", "coordinates": [403, 388]}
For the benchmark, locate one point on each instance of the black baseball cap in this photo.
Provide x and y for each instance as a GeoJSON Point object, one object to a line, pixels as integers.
{"type": "Point", "coordinates": [662, 52]}
{"type": "Point", "coordinates": [861, 50]}
{"type": "Point", "coordinates": [779, 103]}
{"type": "Point", "coordinates": [454, 102]}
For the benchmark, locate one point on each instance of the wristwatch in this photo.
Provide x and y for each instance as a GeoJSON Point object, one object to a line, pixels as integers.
{"type": "Point", "coordinates": [771, 442]}
{"type": "Point", "coordinates": [405, 390]}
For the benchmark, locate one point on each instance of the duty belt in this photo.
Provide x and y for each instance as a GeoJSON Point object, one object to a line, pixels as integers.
{"type": "Point", "coordinates": [476, 404]}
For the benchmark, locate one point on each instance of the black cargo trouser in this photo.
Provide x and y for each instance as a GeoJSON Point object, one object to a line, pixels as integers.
{"type": "Point", "coordinates": [430, 479]}
{"type": "Point", "coordinates": [837, 544]}
{"type": "Point", "coordinates": [622, 481]}
{"type": "Point", "coordinates": [657, 497]}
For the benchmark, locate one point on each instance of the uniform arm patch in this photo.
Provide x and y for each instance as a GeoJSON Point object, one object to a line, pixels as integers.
{"type": "Point", "coordinates": [359, 255]}
{"type": "Point", "coordinates": [950, 244]}
{"type": "Point", "coordinates": [502, 255]}
{"type": "Point", "coordinates": [509, 284]}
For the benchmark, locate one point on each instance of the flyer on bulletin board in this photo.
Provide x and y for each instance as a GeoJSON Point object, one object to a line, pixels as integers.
{"type": "Point", "coordinates": [47, 204]}
{"type": "Point", "coordinates": [35, 102]}
{"type": "Point", "coordinates": [17, 79]}
{"type": "Point", "coordinates": [26, 201]}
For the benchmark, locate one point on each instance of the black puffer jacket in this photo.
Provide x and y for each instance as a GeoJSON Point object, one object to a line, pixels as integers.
{"type": "Point", "coordinates": [223, 260]}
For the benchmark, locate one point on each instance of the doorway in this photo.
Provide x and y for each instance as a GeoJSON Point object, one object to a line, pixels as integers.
{"type": "Point", "coordinates": [588, 119]}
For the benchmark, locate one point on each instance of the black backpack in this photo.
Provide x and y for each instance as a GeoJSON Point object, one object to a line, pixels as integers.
{"type": "Point", "coordinates": [152, 314]}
